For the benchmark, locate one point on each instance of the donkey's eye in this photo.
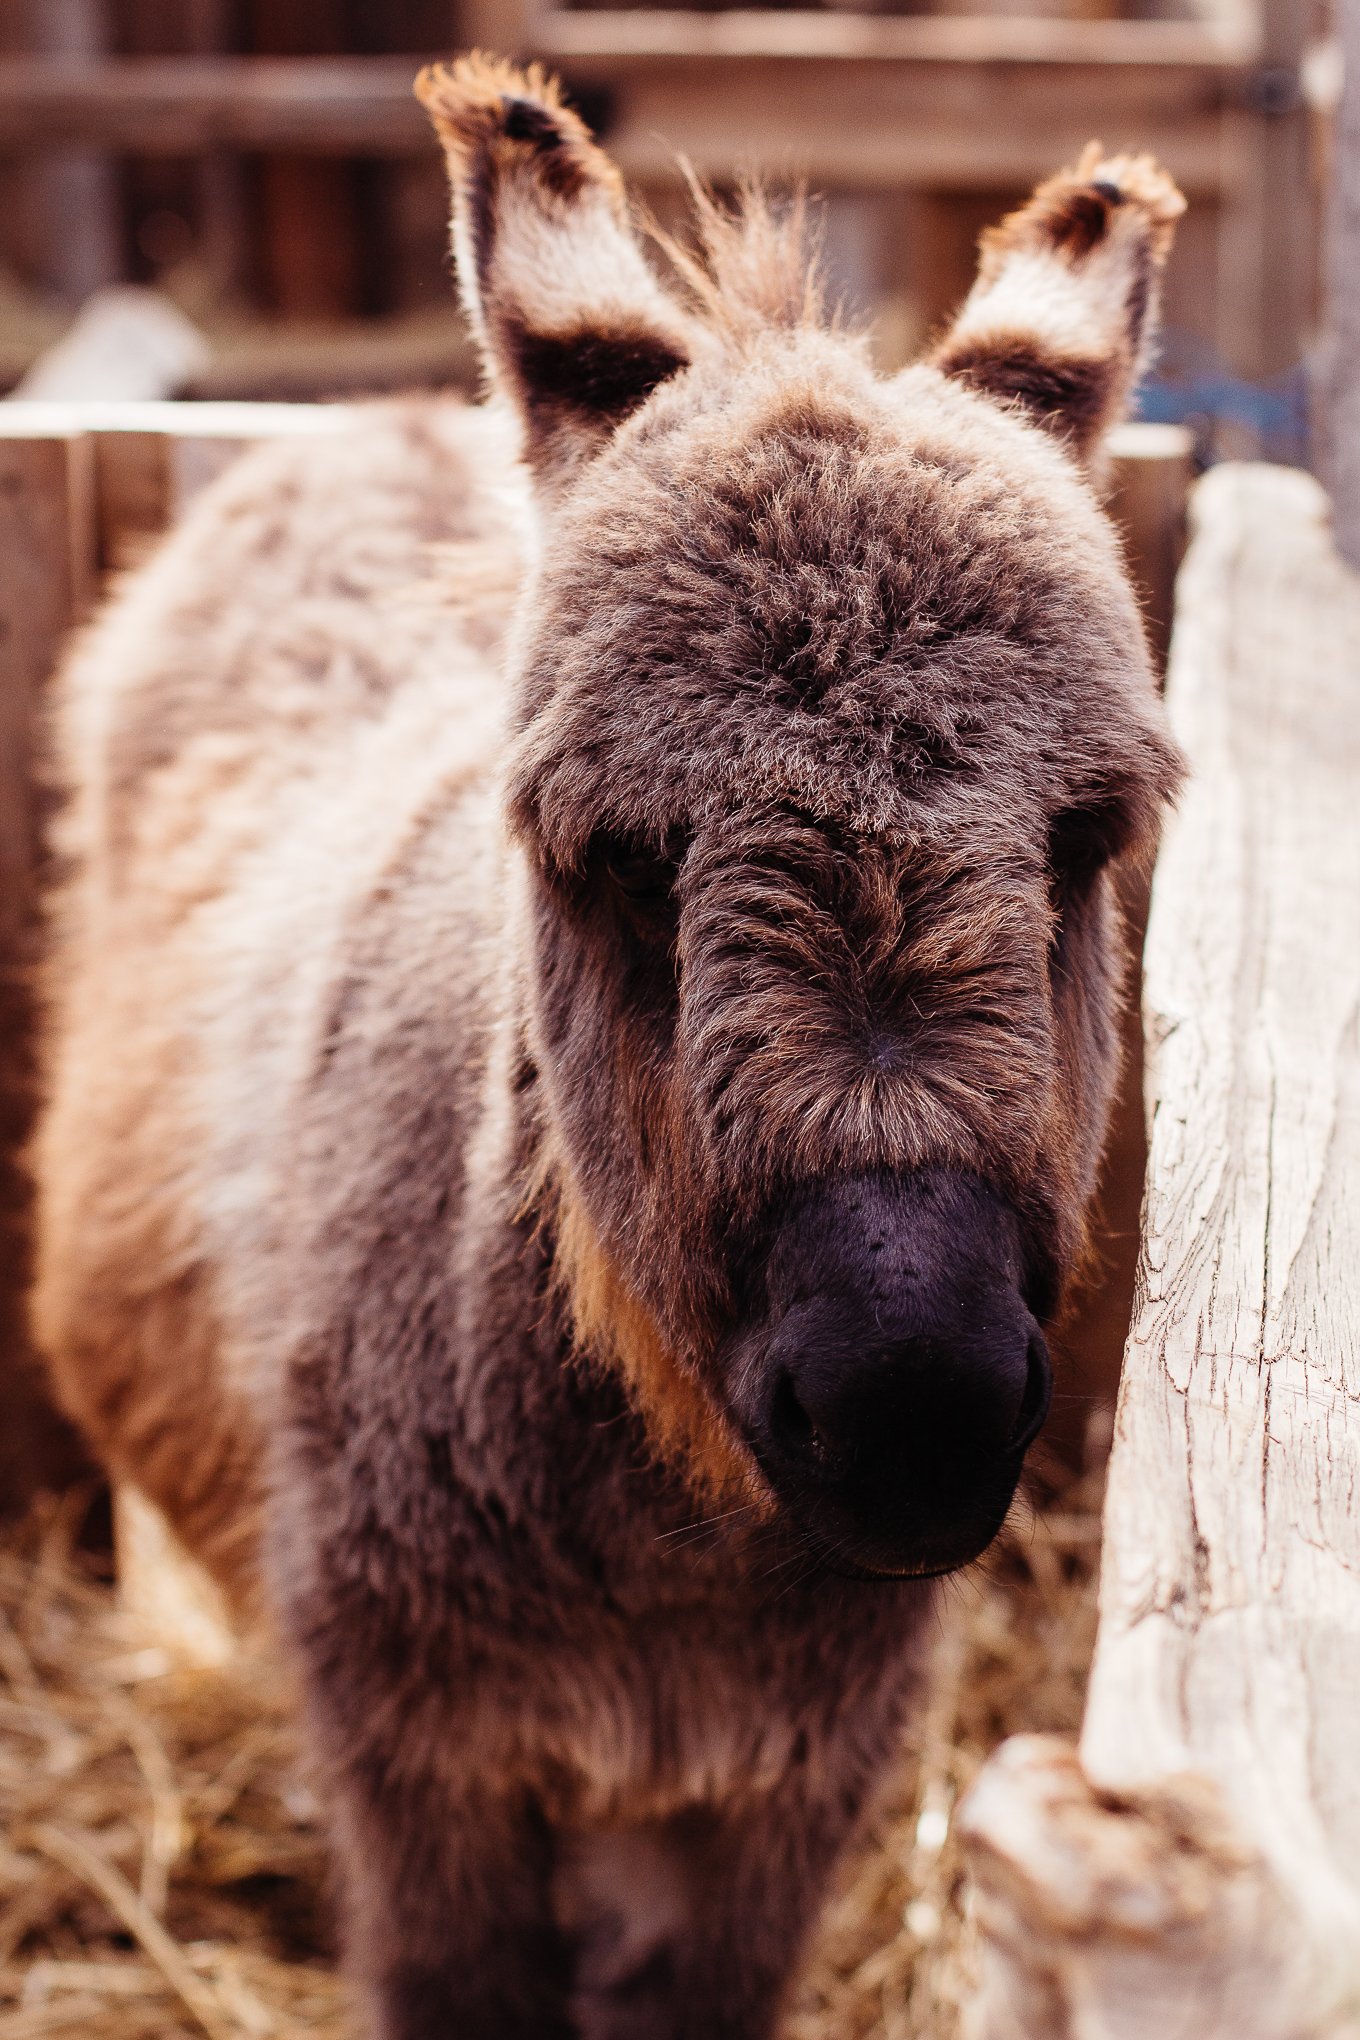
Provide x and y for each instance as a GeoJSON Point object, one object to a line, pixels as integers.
{"type": "Point", "coordinates": [1082, 840]}
{"type": "Point", "coordinates": [643, 876]}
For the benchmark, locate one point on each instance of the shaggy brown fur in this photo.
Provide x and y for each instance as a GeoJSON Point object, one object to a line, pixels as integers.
{"type": "Point", "coordinates": [455, 1018]}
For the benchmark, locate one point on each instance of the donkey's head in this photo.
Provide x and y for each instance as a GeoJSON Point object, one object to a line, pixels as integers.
{"type": "Point", "coordinates": [833, 709]}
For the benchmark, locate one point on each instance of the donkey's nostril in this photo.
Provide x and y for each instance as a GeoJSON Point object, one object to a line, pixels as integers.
{"type": "Point", "coordinates": [793, 1428]}
{"type": "Point", "coordinates": [1034, 1401]}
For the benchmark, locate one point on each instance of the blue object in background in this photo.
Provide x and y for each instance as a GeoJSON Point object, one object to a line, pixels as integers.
{"type": "Point", "coordinates": [1190, 386]}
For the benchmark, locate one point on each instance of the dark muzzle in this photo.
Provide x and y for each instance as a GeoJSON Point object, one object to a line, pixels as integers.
{"type": "Point", "coordinates": [896, 1376]}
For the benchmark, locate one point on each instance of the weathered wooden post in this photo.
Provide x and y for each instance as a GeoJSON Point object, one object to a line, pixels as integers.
{"type": "Point", "coordinates": [46, 565]}
{"type": "Point", "coordinates": [1193, 1867]}
{"type": "Point", "coordinates": [68, 192]}
{"type": "Point", "coordinates": [1340, 396]}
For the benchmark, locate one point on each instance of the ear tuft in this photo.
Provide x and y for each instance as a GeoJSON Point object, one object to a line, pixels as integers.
{"type": "Point", "coordinates": [1062, 316]}
{"type": "Point", "coordinates": [488, 112]}
{"type": "Point", "coordinates": [573, 326]}
{"type": "Point", "coordinates": [1072, 213]}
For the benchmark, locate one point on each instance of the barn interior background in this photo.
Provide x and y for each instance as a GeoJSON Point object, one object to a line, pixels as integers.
{"type": "Point", "coordinates": [236, 203]}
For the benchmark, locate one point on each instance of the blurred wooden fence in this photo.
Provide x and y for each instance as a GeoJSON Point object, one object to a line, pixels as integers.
{"type": "Point", "coordinates": [300, 170]}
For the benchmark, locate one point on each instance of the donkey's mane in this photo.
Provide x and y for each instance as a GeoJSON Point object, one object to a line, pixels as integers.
{"type": "Point", "coordinates": [754, 263]}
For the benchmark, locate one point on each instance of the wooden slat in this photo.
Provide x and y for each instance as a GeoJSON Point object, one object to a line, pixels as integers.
{"type": "Point", "coordinates": [1341, 393]}
{"type": "Point", "coordinates": [891, 102]}
{"type": "Point", "coordinates": [736, 33]}
{"type": "Point", "coordinates": [46, 572]}
{"type": "Point", "coordinates": [1268, 235]}
{"type": "Point", "coordinates": [149, 459]}
{"type": "Point", "coordinates": [178, 105]}
{"type": "Point", "coordinates": [935, 125]}
{"type": "Point", "coordinates": [1152, 467]}
{"type": "Point", "coordinates": [70, 195]}
{"type": "Point", "coordinates": [45, 581]}
{"type": "Point", "coordinates": [65, 418]}
{"type": "Point", "coordinates": [511, 26]}
{"type": "Point", "coordinates": [1203, 1860]}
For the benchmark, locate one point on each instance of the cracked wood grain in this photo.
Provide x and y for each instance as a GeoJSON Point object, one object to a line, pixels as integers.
{"type": "Point", "coordinates": [1205, 1843]}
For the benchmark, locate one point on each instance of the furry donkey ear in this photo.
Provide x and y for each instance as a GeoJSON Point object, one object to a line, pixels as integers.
{"type": "Point", "coordinates": [1064, 310]}
{"type": "Point", "coordinates": [572, 324]}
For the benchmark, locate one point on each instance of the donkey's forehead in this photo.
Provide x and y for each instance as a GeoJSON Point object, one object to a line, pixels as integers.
{"type": "Point", "coordinates": [866, 599]}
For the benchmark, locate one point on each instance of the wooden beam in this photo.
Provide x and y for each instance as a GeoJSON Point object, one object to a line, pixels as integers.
{"type": "Point", "coordinates": [927, 123]}
{"type": "Point", "coordinates": [1152, 467]}
{"type": "Point", "coordinates": [148, 460]}
{"type": "Point", "coordinates": [510, 27]}
{"type": "Point", "coordinates": [878, 102]}
{"type": "Point", "coordinates": [1268, 232]}
{"type": "Point", "coordinates": [46, 578]}
{"type": "Point", "coordinates": [1340, 405]}
{"type": "Point", "coordinates": [736, 34]}
{"type": "Point", "coordinates": [69, 194]}
{"type": "Point", "coordinates": [1201, 1854]}
{"type": "Point", "coordinates": [179, 105]}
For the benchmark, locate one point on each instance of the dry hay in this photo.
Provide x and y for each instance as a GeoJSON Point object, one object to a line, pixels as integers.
{"type": "Point", "coordinates": [161, 1869]}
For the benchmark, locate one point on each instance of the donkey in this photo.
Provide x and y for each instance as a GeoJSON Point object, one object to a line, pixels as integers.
{"type": "Point", "coordinates": [581, 1017]}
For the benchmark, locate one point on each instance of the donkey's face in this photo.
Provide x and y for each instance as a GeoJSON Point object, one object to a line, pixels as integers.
{"type": "Point", "coordinates": [834, 708]}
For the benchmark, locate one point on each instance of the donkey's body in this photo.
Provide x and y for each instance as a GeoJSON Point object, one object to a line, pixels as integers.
{"type": "Point", "coordinates": [304, 856]}
{"type": "Point", "coordinates": [447, 1198]}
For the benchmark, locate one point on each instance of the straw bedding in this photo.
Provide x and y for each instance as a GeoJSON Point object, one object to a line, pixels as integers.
{"type": "Point", "coordinates": [161, 1867]}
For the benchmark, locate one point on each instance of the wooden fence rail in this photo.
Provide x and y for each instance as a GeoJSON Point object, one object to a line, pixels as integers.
{"type": "Point", "coordinates": [743, 76]}
{"type": "Point", "coordinates": [915, 126]}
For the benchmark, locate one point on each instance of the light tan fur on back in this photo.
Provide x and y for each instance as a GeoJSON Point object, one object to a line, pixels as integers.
{"type": "Point", "coordinates": [209, 875]}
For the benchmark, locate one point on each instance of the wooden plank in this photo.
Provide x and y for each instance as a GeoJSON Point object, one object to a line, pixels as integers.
{"type": "Point", "coordinates": [45, 582]}
{"type": "Point", "coordinates": [963, 38]}
{"type": "Point", "coordinates": [184, 420]}
{"type": "Point", "coordinates": [1151, 469]}
{"type": "Point", "coordinates": [1341, 383]}
{"type": "Point", "coordinates": [150, 459]}
{"type": "Point", "coordinates": [1268, 233]}
{"type": "Point", "coordinates": [1200, 1865]}
{"type": "Point", "coordinates": [913, 102]}
{"type": "Point", "coordinates": [513, 28]}
{"type": "Point", "coordinates": [178, 105]}
{"type": "Point", "coordinates": [312, 259]}
{"type": "Point", "coordinates": [933, 124]}
{"type": "Point", "coordinates": [69, 195]}
{"type": "Point", "coordinates": [430, 350]}
{"type": "Point", "coordinates": [224, 226]}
